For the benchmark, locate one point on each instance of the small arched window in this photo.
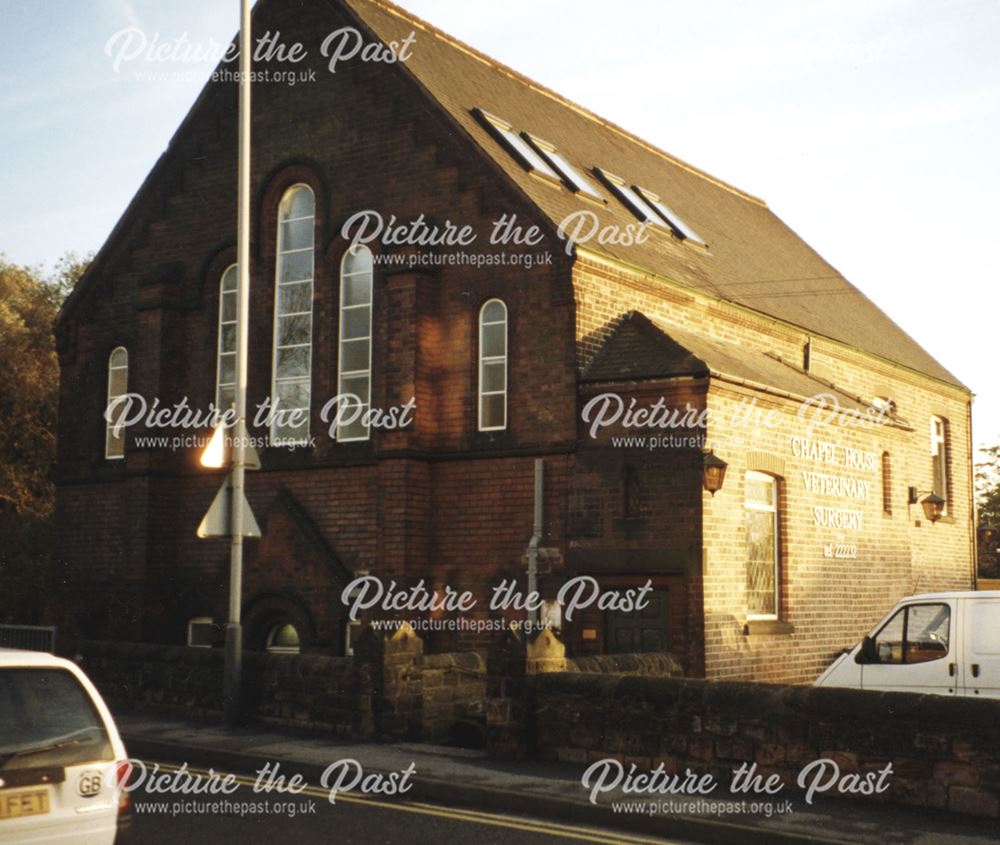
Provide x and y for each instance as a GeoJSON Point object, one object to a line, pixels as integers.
{"type": "Point", "coordinates": [886, 483]}
{"type": "Point", "coordinates": [493, 366]}
{"type": "Point", "coordinates": [291, 383]}
{"type": "Point", "coordinates": [114, 438]}
{"type": "Point", "coordinates": [283, 638]}
{"type": "Point", "coordinates": [354, 383]}
{"type": "Point", "coordinates": [225, 371]}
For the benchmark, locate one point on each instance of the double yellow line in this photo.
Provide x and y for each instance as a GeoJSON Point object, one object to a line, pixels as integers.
{"type": "Point", "coordinates": [471, 816]}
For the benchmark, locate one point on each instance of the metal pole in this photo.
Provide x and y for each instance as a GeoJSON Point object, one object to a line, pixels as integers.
{"type": "Point", "coordinates": [234, 631]}
{"type": "Point", "coordinates": [536, 539]}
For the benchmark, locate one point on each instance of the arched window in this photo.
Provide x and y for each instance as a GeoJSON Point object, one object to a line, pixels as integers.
{"type": "Point", "coordinates": [886, 483]}
{"type": "Point", "coordinates": [291, 383]}
{"type": "Point", "coordinates": [225, 371]}
{"type": "Point", "coordinates": [283, 639]}
{"type": "Point", "coordinates": [493, 366]}
{"type": "Point", "coordinates": [355, 373]}
{"type": "Point", "coordinates": [114, 439]}
{"type": "Point", "coordinates": [939, 458]}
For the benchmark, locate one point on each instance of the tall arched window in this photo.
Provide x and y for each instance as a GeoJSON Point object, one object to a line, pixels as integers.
{"type": "Point", "coordinates": [225, 371]}
{"type": "Point", "coordinates": [763, 565]}
{"type": "Point", "coordinates": [291, 383]}
{"type": "Point", "coordinates": [939, 458]}
{"type": "Point", "coordinates": [355, 372]}
{"type": "Point", "coordinates": [493, 366]}
{"type": "Point", "coordinates": [114, 437]}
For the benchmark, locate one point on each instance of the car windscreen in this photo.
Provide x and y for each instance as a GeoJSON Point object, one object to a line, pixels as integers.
{"type": "Point", "coordinates": [48, 719]}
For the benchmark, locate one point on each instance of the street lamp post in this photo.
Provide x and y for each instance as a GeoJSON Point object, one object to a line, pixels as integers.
{"type": "Point", "coordinates": [234, 630]}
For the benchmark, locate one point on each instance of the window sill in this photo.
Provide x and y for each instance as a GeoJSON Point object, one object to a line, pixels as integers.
{"type": "Point", "coordinates": [767, 627]}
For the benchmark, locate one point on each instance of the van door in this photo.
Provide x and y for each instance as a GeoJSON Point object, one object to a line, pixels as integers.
{"type": "Point", "coordinates": [982, 647]}
{"type": "Point", "coordinates": [915, 650]}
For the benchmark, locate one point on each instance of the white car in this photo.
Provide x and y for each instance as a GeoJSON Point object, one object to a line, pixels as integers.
{"type": "Point", "coordinates": [938, 643]}
{"type": "Point", "coordinates": [61, 758]}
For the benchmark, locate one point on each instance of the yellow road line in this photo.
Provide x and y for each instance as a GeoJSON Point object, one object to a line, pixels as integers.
{"type": "Point", "coordinates": [452, 813]}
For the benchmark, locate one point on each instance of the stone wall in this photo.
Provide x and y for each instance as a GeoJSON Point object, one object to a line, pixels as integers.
{"type": "Point", "coordinates": [945, 752]}
{"type": "Point", "coordinates": [290, 690]}
{"type": "Point", "coordinates": [390, 689]}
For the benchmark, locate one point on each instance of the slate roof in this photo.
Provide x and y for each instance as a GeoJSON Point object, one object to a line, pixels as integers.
{"type": "Point", "coordinates": [640, 349]}
{"type": "Point", "coordinates": [753, 259]}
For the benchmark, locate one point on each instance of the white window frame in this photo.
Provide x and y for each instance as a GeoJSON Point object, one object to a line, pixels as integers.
{"type": "Point", "coordinates": [307, 379]}
{"type": "Point", "coordinates": [109, 425]}
{"type": "Point", "coordinates": [198, 620]}
{"type": "Point", "coordinates": [517, 146]}
{"type": "Point", "coordinates": [631, 200]}
{"type": "Point", "coordinates": [669, 216]}
{"type": "Point", "coordinates": [219, 384]}
{"type": "Point", "coordinates": [753, 475]}
{"type": "Point", "coordinates": [341, 373]}
{"type": "Point", "coordinates": [493, 359]}
{"type": "Point", "coordinates": [575, 180]}
{"type": "Point", "coordinates": [939, 452]}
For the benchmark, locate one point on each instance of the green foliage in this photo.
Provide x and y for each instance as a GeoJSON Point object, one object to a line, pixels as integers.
{"type": "Point", "coordinates": [29, 399]}
{"type": "Point", "coordinates": [988, 505]}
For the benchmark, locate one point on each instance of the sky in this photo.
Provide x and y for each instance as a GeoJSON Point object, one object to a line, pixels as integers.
{"type": "Point", "coordinates": [871, 127]}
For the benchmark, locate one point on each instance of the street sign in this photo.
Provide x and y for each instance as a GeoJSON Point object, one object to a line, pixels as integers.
{"type": "Point", "coordinates": [216, 522]}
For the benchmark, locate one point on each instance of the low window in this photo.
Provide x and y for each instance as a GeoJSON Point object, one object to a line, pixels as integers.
{"type": "Point", "coordinates": [917, 633]}
{"type": "Point", "coordinates": [283, 639]}
{"type": "Point", "coordinates": [761, 503]}
{"type": "Point", "coordinates": [114, 438]}
{"type": "Point", "coordinates": [201, 632]}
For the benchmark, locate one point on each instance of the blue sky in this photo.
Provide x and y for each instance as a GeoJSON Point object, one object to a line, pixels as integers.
{"type": "Point", "coordinates": [870, 126]}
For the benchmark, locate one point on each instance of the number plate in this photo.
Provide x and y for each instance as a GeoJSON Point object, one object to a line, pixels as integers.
{"type": "Point", "coordinates": [31, 802]}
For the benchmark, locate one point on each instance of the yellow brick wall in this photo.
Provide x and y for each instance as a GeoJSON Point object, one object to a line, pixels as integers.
{"type": "Point", "coordinates": [828, 603]}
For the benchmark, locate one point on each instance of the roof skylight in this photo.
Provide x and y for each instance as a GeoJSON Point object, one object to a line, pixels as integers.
{"type": "Point", "coordinates": [669, 217]}
{"type": "Point", "coordinates": [515, 144]}
{"type": "Point", "coordinates": [639, 207]}
{"type": "Point", "coordinates": [576, 181]}
{"type": "Point", "coordinates": [649, 208]}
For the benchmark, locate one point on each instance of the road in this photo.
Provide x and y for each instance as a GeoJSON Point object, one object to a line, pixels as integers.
{"type": "Point", "coordinates": [246, 817]}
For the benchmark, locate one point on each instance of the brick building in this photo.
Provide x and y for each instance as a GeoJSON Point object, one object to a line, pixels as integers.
{"type": "Point", "coordinates": [694, 296]}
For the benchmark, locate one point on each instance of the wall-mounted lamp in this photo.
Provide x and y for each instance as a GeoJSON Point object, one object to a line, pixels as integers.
{"type": "Point", "coordinates": [713, 473]}
{"type": "Point", "coordinates": [932, 504]}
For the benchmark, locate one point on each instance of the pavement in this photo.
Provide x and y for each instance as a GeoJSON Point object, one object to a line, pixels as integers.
{"type": "Point", "coordinates": [457, 777]}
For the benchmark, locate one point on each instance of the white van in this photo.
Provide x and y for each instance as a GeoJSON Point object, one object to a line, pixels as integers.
{"type": "Point", "coordinates": [61, 758]}
{"type": "Point", "coordinates": [940, 643]}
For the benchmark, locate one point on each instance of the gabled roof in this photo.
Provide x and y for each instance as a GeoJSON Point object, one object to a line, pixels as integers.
{"type": "Point", "coordinates": [640, 349]}
{"type": "Point", "coordinates": [753, 259]}
{"type": "Point", "coordinates": [637, 350]}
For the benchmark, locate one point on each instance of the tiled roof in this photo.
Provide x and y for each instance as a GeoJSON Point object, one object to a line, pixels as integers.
{"type": "Point", "coordinates": [753, 258]}
{"type": "Point", "coordinates": [640, 349]}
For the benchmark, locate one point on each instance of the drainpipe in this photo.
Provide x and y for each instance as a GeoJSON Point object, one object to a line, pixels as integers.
{"type": "Point", "coordinates": [536, 539]}
{"type": "Point", "coordinates": [973, 505]}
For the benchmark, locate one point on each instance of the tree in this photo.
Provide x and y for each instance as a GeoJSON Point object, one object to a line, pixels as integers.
{"type": "Point", "coordinates": [988, 504]}
{"type": "Point", "coordinates": [29, 393]}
